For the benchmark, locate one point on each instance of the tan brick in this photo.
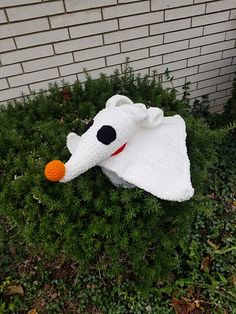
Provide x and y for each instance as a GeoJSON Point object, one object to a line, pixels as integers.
{"type": "Point", "coordinates": [46, 63]}
{"type": "Point", "coordinates": [7, 44]}
{"type": "Point", "coordinates": [192, 86]}
{"type": "Point", "coordinates": [79, 67]}
{"type": "Point", "coordinates": [141, 43]}
{"type": "Point", "coordinates": [220, 5]}
{"type": "Point", "coordinates": [213, 81]}
{"type": "Point", "coordinates": [206, 40]}
{"type": "Point", "coordinates": [183, 54]}
{"type": "Point", "coordinates": [224, 85]}
{"type": "Point", "coordinates": [27, 54]}
{"type": "Point", "coordinates": [75, 5]}
{"type": "Point", "coordinates": [185, 34]}
{"type": "Point", "coordinates": [204, 59]}
{"type": "Point", "coordinates": [231, 34]}
{"type": "Point", "coordinates": [42, 38]}
{"type": "Point", "coordinates": [33, 77]}
{"type": "Point", "coordinates": [162, 49]}
{"type": "Point", "coordinates": [202, 92]}
{"type": "Point", "coordinates": [233, 14]}
{"type": "Point", "coordinates": [221, 101]}
{"type": "Point", "coordinates": [9, 70]}
{"type": "Point", "coordinates": [184, 72]}
{"type": "Point", "coordinates": [169, 26]}
{"type": "Point", "coordinates": [75, 18]}
{"type": "Point", "coordinates": [97, 52]}
{"type": "Point", "coordinates": [185, 12]}
{"type": "Point", "coordinates": [216, 109]}
{"type": "Point", "coordinates": [202, 1]}
{"type": "Point", "coordinates": [141, 19]}
{"type": "Point", "coordinates": [203, 76]}
{"type": "Point", "coordinates": [217, 47]}
{"type": "Point", "coordinates": [179, 95]}
{"type": "Point", "coordinates": [210, 18]}
{"type": "Point", "coordinates": [145, 63]}
{"type": "Point", "coordinates": [174, 83]}
{"type": "Point", "coordinates": [36, 10]}
{"type": "Point", "coordinates": [125, 1]}
{"type": "Point", "coordinates": [77, 44]}
{"type": "Point", "coordinates": [126, 34]}
{"type": "Point", "coordinates": [96, 73]}
{"type": "Point", "coordinates": [12, 93]}
{"type": "Point", "coordinates": [3, 18]}
{"type": "Point", "coordinates": [126, 9]}
{"type": "Point", "coordinates": [229, 53]}
{"type": "Point", "coordinates": [228, 69]}
{"type": "Point", "coordinates": [219, 27]}
{"type": "Point", "coordinates": [217, 95]}
{"type": "Point", "coordinates": [36, 87]}
{"type": "Point", "coordinates": [171, 66]}
{"type": "Point", "coordinates": [25, 27]}
{"type": "Point", "coordinates": [142, 72]}
{"type": "Point", "coordinates": [12, 3]}
{"type": "Point", "coordinates": [3, 84]}
{"type": "Point", "coordinates": [167, 4]}
{"type": "Point", "coordinates": [229, 92]}
{"type": "Point", "coordinates": [121, 57]}
{"type": "Point", "coordinates": [93, 28]}
{"type": "Point", "coordinates": [214, 65]}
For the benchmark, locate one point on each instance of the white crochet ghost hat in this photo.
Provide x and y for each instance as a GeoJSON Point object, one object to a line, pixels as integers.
{"type": "Point", "coordinates": [136, 145]}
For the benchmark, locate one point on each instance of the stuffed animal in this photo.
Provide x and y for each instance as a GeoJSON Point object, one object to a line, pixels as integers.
{"type": "Point", "coordinates": [134, 146]}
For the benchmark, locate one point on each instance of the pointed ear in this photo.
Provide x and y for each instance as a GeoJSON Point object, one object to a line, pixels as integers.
{"type": "Point", "coordinates": [153, 117]}
{"type": "Point", "coordinates": [118, 100]}
{"type": "Point", "coordinates": [137, 111]}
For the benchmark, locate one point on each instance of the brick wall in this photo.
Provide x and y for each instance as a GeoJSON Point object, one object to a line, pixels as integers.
{"type": "Point", "coordinates": [45, 41]}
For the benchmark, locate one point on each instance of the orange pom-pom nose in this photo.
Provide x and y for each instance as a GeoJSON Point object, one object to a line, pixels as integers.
{"type": "Point", "coordinates": [54, 170]}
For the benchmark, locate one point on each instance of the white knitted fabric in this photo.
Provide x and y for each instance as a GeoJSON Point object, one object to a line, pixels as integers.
{"type": "Point", "coordinates": [154, 158]}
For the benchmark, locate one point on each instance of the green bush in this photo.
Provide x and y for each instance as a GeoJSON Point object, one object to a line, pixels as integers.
{"type": "Point", "coordinates": [112, 230]}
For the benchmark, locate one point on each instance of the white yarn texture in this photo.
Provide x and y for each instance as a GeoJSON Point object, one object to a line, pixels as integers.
{"type": "Point", "coordinates": [154, 159]}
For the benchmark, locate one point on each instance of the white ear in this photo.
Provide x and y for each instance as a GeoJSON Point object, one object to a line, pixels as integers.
{"type": "Point", "coordinates": [137, 111]}
{"type": "Point", "coordinates": [118, 100]}
{"type": "Point", "coordinates": [153, 118]}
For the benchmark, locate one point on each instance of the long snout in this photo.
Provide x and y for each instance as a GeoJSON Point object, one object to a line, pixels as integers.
{"type": "Point", "coordinates": [87, 155]}
{"type": "Point", "coordinates": [56, 170]}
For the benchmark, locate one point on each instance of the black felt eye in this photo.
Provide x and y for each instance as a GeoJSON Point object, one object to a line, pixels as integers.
{"type": "Point", "coordinates": [106, 134]}
{"type": "Point", "coordinates": [88, 125]}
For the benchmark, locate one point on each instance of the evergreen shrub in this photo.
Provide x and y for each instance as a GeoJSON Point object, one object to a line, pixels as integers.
{"type": "Point", "coordinates": [112, 230]}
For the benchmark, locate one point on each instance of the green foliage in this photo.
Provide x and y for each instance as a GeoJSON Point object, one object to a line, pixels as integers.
{"type": "Point", "coordinates": [230, 106]}
{"type": "Point", "coordinates": [222, 177]}
{"type": "Point", "coordinates": [10, 304]}
{"type": "Point", "coordinates": [200, 109]}
{"type": "Point", "coordinates": [58, 286]}
{"type": "Point", "coordinates": [112, 230]}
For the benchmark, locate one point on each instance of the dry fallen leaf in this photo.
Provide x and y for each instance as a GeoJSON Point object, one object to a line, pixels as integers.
{"type": "Point", "coordinates": [206, 263]}
{"type": "Point", "coordinates": [183, 306]}
{"type": "Point", "coordinates": [33, 311]}
{"type": "Point", "coordinates": [14, 289]}
{"type": "Point", "coordinates": [187, 306]}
